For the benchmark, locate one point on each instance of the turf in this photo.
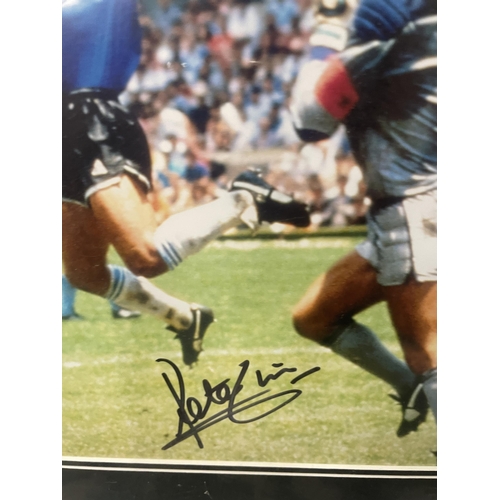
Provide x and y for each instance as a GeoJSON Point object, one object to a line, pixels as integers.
{"type": "Point", "coordinates": [116, 403]}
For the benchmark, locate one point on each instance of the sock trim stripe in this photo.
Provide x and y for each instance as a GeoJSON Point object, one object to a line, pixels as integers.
{"type": "Point", "coordinates": [117, 282]}
{"type": "Point", "coordinates": [121, 284]}
{"type": "Point", "coordinates": [113, 283]}
{"type": "Point", "coordinates": [175, 253]}
{"type": "Point", "coordinates": [171, 252]}
{"type": "Point", "coordinates": [166, 256]}
{"type": "Point", "coordinates": [116, 279]}
{"type": "Point", "coordinates": [169, 255]}
{"type": "Point", "coordinates": [168, 248]}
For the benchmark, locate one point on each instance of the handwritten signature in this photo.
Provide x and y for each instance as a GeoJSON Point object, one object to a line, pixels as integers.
{"type": "Point", "coordinates": [192, 412]}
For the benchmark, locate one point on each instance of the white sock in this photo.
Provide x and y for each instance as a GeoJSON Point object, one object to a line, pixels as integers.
{"type": "Point", "coordinates": [138, 294]}
{"type": "Point", "coordinates": [186, 233]}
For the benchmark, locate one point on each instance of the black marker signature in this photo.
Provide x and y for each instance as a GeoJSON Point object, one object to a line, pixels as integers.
{"type": "Point", "coordinates": [192, 412]}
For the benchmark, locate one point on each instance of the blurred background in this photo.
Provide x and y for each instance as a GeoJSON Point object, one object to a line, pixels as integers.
{"type": "Point", "coordinates": [213, 92]}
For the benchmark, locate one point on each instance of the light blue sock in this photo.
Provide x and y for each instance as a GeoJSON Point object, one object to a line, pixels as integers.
{"type": "Point", "coordinates": [360, 346]}
{"type": "Point", "coordinates": [68, 297]}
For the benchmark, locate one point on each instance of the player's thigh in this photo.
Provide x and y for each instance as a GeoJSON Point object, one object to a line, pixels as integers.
{"type": "Point", "coordinates": [413, 310]}
{"type": "Point", "coordinates": [128, 219]}
{"type": "Point", "coordinates": [84, 249]}
{"type": "Point", "coordinates": [347, 288]}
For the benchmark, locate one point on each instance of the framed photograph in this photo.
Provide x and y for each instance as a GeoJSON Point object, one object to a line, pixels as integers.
{"type": "Point", "coordinates": [249, 249]}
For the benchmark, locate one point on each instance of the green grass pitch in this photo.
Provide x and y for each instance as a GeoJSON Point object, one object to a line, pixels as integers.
{"type": "Point", "coordinates": [116, 404]}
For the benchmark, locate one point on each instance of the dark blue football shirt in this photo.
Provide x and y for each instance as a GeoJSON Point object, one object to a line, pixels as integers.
{"type": "Point", "coordinates": [101, 43]}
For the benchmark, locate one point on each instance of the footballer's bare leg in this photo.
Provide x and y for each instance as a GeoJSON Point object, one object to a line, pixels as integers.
{"type": "Point", "coordinates": [413, 309]}
{"type": "Point", "coordinates": [128, 220]}
{"type": "Point", "coordinates": [325, 315]}
{"type": "Point", "coordinates": [84, 249]}
{"type": "Point", "coordinates": [347, 288]}
{"type": "Point", "coordinates": [85, 245]}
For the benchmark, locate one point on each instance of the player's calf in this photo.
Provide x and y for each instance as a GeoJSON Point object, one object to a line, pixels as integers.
{"type": "Point", "coordinates": [188, 232]}
{"type": "Point", "coordinates": [92, 279]}
{"type": "Point", "coordinates": [359, 345]}
{"type": "Point", "coordinates": [143, 259]}
{"type": "Point", "coordinates": [251, 200]}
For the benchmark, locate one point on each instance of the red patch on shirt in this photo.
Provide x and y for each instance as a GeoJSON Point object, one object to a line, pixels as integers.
{"type": "Point", "coordinates": [335, 91]}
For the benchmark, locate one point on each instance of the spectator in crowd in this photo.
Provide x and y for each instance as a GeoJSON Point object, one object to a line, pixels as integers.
{"type": "Point", "coordinates": [220, 42]}
{"type": "Point", "coordinates": [194, 169]}
{"type": "Point", "coordinates": [164, 14]}
{"type": "Point", "coordinates": [244, 21]}
{"type": "Point", "coordinates": [284, 12]}
{"type": "Point", "coordinates": [256, 108]}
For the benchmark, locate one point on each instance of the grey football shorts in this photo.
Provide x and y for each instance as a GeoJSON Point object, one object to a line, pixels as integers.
{"type": "Point", "coordinates": [402, 239]}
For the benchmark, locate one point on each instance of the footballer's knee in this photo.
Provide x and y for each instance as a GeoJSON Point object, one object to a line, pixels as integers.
{"type": "Point", "coordinates": [319, 329]}
{"type": "Point", "coordinates": [308, 326]}
{"type": "Point", "coordinates": [144, 260]}
{"type": "Point", "coordinates": [300, 326]}
{"type": "Point", "coordinates": [301, 323]}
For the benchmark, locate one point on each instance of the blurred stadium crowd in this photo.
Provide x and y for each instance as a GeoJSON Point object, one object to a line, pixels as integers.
{"type": "Point", "coordinates": [213, 91]}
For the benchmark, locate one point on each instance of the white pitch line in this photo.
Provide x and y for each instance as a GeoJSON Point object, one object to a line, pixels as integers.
{"type": "Point", "coordinates": [259, 351]}
{"type": "Point", "coordinates": [263, 351]}
{"type": "Point", "coordinates": [303, 243]}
